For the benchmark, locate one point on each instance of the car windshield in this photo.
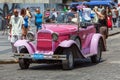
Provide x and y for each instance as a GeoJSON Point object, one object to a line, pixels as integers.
{"type": "Point", "coordinates": [60, 17]}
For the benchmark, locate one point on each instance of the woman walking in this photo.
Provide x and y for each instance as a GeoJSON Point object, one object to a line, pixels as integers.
{"type": "Point", "coordinates": [26, 26]}
{"type": "Point", "coordinates": [102, 19]}
{"type": "Point", "coordinates": [109, 17]}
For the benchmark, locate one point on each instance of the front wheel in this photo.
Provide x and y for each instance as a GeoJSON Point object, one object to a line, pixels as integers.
{"type": "Point", "coordinates": [97, 58]}
{"type": "Point", "coordinates": [24, 63]}
{"type": "Point", "coordinates": [68, 64]}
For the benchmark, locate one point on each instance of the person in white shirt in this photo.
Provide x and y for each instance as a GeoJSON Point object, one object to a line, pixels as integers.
{"type": "Point", "coordinates": [101, 8]}
{"type": "Point", "coordinates": [16, 24]}
{"type": "Point", "coordinates": [53, 15]}
{"type": "Point", "coordinates": [86, 13]}
{"type": "Point", "coordinates": [114, 16]}
{"type": "Point", "coordinates": [95, 17]}
{"type": "Point", "coordinates": [54, 12]}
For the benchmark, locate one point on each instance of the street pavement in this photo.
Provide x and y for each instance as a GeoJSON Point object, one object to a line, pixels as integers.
{"type": "Point", "coordinates": [107, 69]}
{"type": "Point", "coordinates": [6, 55]}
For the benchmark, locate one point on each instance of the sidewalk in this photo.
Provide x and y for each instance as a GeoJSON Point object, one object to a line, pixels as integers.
{"type": "Point", "coordinates": [6, 53]}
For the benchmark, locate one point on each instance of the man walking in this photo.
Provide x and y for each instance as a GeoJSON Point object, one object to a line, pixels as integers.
{"type": "Point", "coordinates": [16, 24]}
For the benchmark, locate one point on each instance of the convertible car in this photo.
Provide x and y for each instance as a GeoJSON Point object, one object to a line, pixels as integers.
{"type": "Point", "coordinates": [60, 43]}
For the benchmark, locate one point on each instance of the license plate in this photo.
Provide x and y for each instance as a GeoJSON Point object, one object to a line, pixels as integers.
{"type": "Point", "coordinates": [38, 56]}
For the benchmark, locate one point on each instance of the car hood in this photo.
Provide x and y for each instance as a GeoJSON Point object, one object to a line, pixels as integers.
{"type": "Point", "coordinates": [60, 28]}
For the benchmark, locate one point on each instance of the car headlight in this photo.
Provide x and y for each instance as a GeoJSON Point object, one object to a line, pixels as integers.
{"type": "Point", "coordinates": [30, 36]}
{"type": "Point", "coordinates": [54, 37]}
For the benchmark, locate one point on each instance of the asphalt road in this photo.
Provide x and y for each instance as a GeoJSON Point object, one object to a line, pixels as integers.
{"type": "Point", "coordinates": [108, 69]}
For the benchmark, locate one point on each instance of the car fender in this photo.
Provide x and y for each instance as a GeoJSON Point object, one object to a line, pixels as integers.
{"type": "Point", "coordinates": [29, 45]}
{"type": "Point", "coordinates": [88, 40]}
{"type": "Point", "coordinates": [94, 43]}
{"type": "Point", "coordinates": [67, 43]}
{"type": "Point", "coordinates": [70, 44]}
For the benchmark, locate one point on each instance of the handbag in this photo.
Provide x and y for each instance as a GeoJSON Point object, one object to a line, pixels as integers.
{"type": "Point", "coordinates": [109, 22]}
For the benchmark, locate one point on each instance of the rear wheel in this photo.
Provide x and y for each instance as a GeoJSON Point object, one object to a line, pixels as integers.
{"type": "Point", "coordinates": [68, 64]}
{"type": "Point", "coordinates": [97, 58]}
{"type": "Point", "coordinates": [24, 63]}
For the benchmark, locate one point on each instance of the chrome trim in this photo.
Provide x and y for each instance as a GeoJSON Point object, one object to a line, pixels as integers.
{"type": "Point", "coordinates": [46, 57]}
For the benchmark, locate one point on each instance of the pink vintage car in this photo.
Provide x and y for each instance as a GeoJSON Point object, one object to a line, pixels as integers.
{"type": "Point", "coordinates": [60, 43]}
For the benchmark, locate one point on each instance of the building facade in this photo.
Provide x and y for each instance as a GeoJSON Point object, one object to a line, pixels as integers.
{"type": "Point", "coordinates": [30, 1]}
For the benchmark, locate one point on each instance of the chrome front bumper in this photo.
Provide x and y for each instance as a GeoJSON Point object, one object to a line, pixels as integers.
{"type": "Point", "coordinates": [40, 56]}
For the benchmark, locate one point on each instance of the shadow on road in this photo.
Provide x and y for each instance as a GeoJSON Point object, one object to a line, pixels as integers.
{"type": "Point", "coordinates": [78, 64]}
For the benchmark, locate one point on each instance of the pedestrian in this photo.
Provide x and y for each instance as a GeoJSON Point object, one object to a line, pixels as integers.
{"type": "Point", "coordinates": [114, 15]}
{"type": "Point", "coordinates": [6, 28]}
{"type": "Point", "coordinates": [80, 11]}
{"type": "Point", "coordinates": [8, 25]}
{"type": "Point", "coordinates": [118, 15]}
{"type": "Point", "coordinates": [38, 20]}
{"type": "Point", "coordinates": [101, 8]}
{"type": "Point", "coordinates": [65, 9]}
{"type": "Point", "coordinates": [16, 25]}
{"type": "Point", "coordinates": [72, 14]}
{"type": "Point", "coordinates": [109, 17]}
{"type": "Point", "coordinates": [94, 16]}
{"type": "Point", "coordinates": [28, 13]}
{"type": "Point", "coordinates": [61, 17]}
{"type": "Point", "coordinates": [102, 19]}
{"type": "Point", "coordinates": [47, 15]}
{"type": "Point", "coordinates": [26, 23]}
{"type": "Point", "coordinates": [86, 13]}
{"type": "Point", "coordinates": [53, 15]}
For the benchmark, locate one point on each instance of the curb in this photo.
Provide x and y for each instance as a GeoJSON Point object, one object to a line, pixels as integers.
{"type": "Point", "coordinates": [14, 61]}
{"type": "Point", "coordinates": [114, 33]}
{"type": "Point", "coordinates": [9, 61]}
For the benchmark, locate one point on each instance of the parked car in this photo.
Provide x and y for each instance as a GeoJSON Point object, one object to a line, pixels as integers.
{"type": "Point", "coordinates": [60, 43]}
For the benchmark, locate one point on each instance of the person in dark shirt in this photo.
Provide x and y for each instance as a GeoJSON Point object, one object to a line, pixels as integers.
{"type": "Point", "coordinates": [102, 19]}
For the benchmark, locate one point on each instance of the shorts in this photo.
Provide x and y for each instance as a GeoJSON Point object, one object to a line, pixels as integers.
{"type": "Point", "coordinates": [25, 26]}
{"type": "Point", "coordinates": [14, 38]}
{"type": "Point", "coordinates": [104, 31]}
{"type": "Point", "coordinates": [114, 20]}
{"type": "Point", "coordinates": [39, 25]}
